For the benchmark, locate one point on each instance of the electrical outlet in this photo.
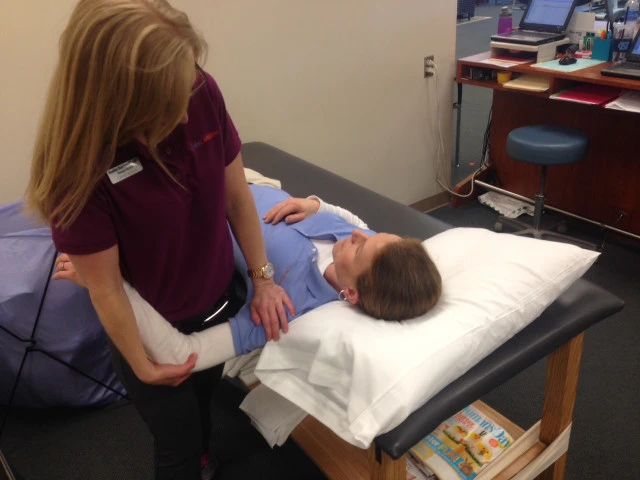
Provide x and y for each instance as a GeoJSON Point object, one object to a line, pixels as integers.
{"type": "Point", "coordinates": [428, 69]}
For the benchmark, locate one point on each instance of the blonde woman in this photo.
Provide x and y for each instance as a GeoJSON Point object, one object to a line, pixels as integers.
{"type": "Point", "coordinates": [137, 169]}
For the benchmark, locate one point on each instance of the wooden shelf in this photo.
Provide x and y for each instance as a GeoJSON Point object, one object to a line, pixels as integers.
{"type": "Point", "coordinates": [340, 460]}
{"type": "Point", "coordinates": [493, 84]}
{"type": "Point", "coordinates": [584, 75]}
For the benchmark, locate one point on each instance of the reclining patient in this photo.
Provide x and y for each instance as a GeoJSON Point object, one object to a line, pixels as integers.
{"type": "Point", "coordinates": [320, 253]}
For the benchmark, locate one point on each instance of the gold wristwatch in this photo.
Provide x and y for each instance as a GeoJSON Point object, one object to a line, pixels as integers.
{"type": "Point", "coordinates": [267, 271]}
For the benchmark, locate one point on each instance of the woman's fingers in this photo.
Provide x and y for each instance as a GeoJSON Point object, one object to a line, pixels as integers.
{"type": "Point", "coordinates": [282, 318]}
{"type": "Point", "coordinates": [295, 218]}
{"type": "Point", "coordinates": [289, 304]}
{"type": "Point", "coordinates": [272, 318]}
{"type": "Point", "coordinates": [292, 209]}
{"type": "Point", "coordinates": [280, 211]}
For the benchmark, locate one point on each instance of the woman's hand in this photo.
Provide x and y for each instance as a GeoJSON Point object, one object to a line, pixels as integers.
{"type": "Point", "coordinates": [65, 270]}
{"type": "Point", "coordinates": [292, 210]}
{"type": "Point", "coordinates": [268, 307]}
{"type": "Point", "coordinates": [164, 374]}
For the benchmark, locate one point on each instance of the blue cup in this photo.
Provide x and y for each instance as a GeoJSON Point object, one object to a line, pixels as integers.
{"type": "Point", "coordinates": [602, 49]}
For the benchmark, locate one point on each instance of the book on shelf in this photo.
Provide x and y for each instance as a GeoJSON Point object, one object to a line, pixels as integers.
{"type": "Point", "coordinates": [461, 447]}
{"type": "Point", "coordinates": [588, 93]}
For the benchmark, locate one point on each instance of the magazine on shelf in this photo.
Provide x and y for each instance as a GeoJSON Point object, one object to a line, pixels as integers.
{"type": "Point", "coordinates": [462, 446]}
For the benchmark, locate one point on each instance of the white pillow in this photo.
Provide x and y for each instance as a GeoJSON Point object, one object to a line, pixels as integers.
{"type": "Point", "coordinates": [363, 377]}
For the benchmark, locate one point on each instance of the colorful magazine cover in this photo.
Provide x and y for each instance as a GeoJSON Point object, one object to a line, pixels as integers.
{"type": "Point", "coordinates": [462, 446]}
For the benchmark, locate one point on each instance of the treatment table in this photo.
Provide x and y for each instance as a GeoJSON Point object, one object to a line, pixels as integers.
{"type": "Point", "coordinates": [557, 334]}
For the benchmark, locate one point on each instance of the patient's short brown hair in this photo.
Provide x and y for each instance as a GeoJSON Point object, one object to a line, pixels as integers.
{"type": "Point", "coordinates": [402, 283]}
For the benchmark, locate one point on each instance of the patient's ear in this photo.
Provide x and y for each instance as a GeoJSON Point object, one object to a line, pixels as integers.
{"type": "Point", "coordinates": [351, 295]}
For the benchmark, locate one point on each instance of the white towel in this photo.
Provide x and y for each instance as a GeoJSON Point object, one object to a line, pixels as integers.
{"type": "Point", "coordinates": [258, 179]}
{"type": "Point", "coordinates": [243, 367]}
{"type": "Point", "coordinates": [271, 414]}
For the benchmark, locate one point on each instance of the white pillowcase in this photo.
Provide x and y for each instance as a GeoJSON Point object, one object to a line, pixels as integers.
{"type": "Point", "coordinates": [363, 377]}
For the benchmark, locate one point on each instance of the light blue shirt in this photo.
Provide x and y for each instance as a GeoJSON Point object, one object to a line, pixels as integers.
{"type": "Point", "coordinates": [294, 256]}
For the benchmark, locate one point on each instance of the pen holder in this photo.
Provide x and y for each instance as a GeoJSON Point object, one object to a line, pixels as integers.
{"type": "Point", "coordinates": [602, 49]}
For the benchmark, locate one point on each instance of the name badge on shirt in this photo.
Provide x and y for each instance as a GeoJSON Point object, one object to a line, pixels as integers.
{"type": "Point", "coordinates": [124, 170]}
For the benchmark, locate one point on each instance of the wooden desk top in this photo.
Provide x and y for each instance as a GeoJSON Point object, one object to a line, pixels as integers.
{"type": "Point", "coordinates": [584, 75]}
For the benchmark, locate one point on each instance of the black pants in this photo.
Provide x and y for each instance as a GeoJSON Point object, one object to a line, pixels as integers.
{"type": "Point", "coordinates": [180, 417]}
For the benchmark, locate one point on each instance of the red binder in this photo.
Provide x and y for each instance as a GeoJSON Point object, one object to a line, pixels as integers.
{"type": "Point", "coordinates": [588, 93]}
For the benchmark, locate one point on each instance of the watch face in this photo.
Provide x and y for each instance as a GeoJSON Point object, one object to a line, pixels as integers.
{"type": "Point", "coordinates": [269, 271]}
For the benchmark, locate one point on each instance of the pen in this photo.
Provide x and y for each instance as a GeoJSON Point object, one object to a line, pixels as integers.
{"type": "Point", "coordinates": [626, 12]}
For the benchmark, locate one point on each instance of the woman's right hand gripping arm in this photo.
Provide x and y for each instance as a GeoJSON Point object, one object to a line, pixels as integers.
{"type": "Point", "coordinates": [100, 273]}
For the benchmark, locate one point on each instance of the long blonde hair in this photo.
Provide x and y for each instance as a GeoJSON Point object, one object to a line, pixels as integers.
{"type": "Point", "coordinates": [125, 70]}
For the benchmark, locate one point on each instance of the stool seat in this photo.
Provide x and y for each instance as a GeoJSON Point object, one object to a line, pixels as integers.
{"type": "Point", "coordinates": [547, 144]}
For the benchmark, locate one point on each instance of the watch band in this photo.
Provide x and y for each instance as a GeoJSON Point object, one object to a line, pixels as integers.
{"type": "Point", "coordinates": [266, 271]}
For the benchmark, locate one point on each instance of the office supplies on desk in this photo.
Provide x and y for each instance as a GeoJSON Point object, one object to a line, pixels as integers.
{"type": "Point", "coordinates": [628, 68]}
{"type": "Point", "coordinates": [580, 64]}
{"type": "Point", "coordinates": [588, 93]}
{"type": "Point", "coordinates": [628, 102]}
{"type": "Point", "coordinates": [602, 49]}
{"type": "Point", "coordinates": [544, 21]}
{"type": "Point", "coordinates": [532, 83]}
{"type": "Point", "coordinates": [504, 77]}
{"type": "Point", "coordinates": [580, 24]}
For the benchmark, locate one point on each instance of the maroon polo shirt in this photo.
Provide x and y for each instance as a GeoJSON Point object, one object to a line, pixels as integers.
{"type": "Point", "coordinates": [174, 243]}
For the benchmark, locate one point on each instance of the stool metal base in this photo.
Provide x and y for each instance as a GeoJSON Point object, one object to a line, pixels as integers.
{"type": "Point", "coordinates": [541, 234]}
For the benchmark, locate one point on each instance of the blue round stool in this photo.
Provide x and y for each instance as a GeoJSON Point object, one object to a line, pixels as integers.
{"type": "Point", "coordinates": [545, 145]}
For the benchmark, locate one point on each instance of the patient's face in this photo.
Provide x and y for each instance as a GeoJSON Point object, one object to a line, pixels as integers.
{"type": "Point", "coordinates": [353, 255]}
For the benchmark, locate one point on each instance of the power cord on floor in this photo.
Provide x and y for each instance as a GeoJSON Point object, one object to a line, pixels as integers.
{"type": "Point", "coordinates": [441, 181]}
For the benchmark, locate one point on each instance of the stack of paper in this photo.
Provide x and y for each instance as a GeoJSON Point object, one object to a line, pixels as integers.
{"type": "Point", "coordinates": [532, 83]}
{"type": "Point", "coordinates": [507, 61]}
{"type": "Point", "coordinates": [628, 101]}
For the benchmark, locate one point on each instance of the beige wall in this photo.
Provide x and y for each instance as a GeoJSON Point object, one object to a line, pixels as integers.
{"type": "Point", "coordinates": [337, 82]}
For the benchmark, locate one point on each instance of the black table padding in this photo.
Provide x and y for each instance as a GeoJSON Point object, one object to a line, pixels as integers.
{"type": "Point", "coordinates": [581, 306]}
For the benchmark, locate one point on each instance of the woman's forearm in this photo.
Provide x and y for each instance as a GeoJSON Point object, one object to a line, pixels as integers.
{"type": "Point", "coordinates": [164, 344]}
{"type": "Point", "coordinates": [116, 316]}
{"type": "Point", "coordinates": [245, 225]}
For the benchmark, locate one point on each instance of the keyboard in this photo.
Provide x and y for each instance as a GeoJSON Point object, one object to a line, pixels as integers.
{"type": "Point", "coordinates": [527, 37]}
{"type": "Point", "coordinates": [532, 33]}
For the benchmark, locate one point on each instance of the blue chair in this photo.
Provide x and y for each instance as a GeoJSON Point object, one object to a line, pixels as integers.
{"type": "Point", "coordinates": [545, 145]}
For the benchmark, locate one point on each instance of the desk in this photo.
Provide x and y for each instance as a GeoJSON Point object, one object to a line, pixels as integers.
{"type": "Point", "coordinates": [603, 186]}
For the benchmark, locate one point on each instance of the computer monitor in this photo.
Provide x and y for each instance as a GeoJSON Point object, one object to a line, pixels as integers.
{"type": "Point", "coordinates": [553, 15]}
{"type": "Point", "coordinates": [634, 54]}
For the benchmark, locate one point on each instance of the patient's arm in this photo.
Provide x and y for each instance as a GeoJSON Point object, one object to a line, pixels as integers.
{"type": "Point", "coordinates": [293, 210]}
{"type": "Point", "coordinates": [165, 344]}
{"type": "Point", "coordinates": [341, 212]}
